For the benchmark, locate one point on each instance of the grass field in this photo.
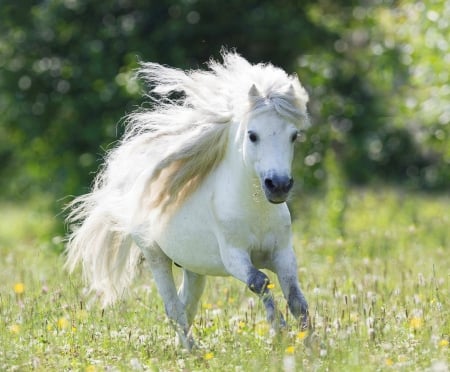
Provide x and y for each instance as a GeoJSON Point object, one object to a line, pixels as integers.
{"type": "Point", "coordinates": [378, 287]}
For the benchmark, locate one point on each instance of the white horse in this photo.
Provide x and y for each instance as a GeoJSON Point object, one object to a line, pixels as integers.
{"type": "Point", "coordinates": [199, 181]}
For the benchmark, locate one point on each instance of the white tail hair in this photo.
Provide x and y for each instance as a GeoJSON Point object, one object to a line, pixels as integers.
{"type": "Point", "coordinates": [107, 253]}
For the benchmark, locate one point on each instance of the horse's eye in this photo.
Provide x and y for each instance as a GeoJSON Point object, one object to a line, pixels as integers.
{"type": "Point", "coordinates": [252, 136]}
{"type": "Point", "coordinates": [294, 137]}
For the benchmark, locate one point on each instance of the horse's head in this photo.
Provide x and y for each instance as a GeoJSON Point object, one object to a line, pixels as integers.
{"type": "Point", "coordinates": [269, 148]}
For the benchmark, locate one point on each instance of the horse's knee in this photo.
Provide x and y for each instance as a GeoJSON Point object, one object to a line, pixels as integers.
{"type": "Point", "coordinates": [257, 281]}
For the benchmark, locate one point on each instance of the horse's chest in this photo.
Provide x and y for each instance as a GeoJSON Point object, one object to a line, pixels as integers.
{"type": "Point", "coordinates": [260, 234]}
{"type": "Point", "coordinates": [194, 237]}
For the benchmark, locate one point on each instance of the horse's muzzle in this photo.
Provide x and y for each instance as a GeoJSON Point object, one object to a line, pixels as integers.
{"type": "Point", "coordinates": [277, 188]}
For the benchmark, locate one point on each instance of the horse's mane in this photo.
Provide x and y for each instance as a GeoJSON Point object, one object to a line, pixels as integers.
{"type": "Point", "coordinates": [185, 133]}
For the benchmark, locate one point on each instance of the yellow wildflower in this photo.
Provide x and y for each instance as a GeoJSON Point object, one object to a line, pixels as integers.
{"type": "Point", "coordinates": [14, 328]}
{"type": "Point", "coordinates": [208, 356]}
{"type": "Point", "coordinates": [90, 368]}
{"type": "Point", "coordinates": [415, 322]}
{"type": "Point", "coordinates": [290, 350]}
{"type": "Point", "coordinates": [62, 323]}
{"type": "Point", "coordinates": [302, 335]}
{"type": "Point", "coordinates": [389, 362]}
{"type": "Point", "coordinates": [443, 343]}
{"type": "Point", "coordinates": [262, 328]}
{"type": "Point", "coordinates": [19, 288]}
{"type": "Point", "coordinates": [270, 286]}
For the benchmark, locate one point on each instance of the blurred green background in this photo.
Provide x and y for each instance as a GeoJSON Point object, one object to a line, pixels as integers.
{"type": "Point", "coordinates": [377, 73]}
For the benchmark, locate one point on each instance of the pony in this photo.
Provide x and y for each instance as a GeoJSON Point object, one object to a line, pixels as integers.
{"type": "Point", "coordinates": [199, 180]}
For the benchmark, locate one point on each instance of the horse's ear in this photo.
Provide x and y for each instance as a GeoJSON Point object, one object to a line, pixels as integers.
{"type": "Point", "coordinates": [291, 90]}
{"type": "Point", "coordinates": [253, 94]}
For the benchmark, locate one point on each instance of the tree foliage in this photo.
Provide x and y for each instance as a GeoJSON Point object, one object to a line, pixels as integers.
{"type": "Point", "coordinates": [376, 74]}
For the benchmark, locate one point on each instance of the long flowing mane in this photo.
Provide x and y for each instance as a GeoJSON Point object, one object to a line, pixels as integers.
{"type": "Point", "coordinates": [191, 131]}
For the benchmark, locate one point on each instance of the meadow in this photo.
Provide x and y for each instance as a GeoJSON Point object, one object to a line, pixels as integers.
{"type": "Point", "coordinates": [377, 279]}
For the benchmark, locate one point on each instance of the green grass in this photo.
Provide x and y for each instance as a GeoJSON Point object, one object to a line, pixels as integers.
{"type": "Point", "coordinates": [378, 292]}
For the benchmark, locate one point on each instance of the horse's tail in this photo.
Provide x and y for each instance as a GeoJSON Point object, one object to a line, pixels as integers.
{"type": "Point", "coordinates": [108, 256]}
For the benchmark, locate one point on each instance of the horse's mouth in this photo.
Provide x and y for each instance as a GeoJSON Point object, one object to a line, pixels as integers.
{"type": "Point", "coordinates": [278, 200]}
{"type": "Point", "coordinates": [276, 197]}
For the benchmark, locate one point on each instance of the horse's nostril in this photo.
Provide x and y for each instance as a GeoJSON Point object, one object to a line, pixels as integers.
{"type": "Point", "coordinates": [289, 184]}
{"type": "Point", "coordinates": [269, 183]}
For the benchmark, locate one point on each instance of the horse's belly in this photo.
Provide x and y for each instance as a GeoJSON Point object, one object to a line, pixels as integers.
{"type": "Point", "coordinates": [189, 240]}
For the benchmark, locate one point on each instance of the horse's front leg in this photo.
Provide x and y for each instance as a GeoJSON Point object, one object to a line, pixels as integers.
{"type": "Point", "coordinates": [238, 264]}
{"type": "Point", "coordinates": [285, 266]}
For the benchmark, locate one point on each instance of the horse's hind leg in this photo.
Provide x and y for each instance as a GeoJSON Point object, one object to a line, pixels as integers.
{"type": "Point", "coordinates": [161, 268]}
{"type": "Point", "coordinates": [190, 292]}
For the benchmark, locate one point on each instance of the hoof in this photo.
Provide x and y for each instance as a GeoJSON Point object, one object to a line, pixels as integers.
{"type": "Point", "coordinates": [305, 323]}
{"type": "Point", "coordinates": [184, 337]}
{"type": "Point", "coordinates": [187, 342]}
